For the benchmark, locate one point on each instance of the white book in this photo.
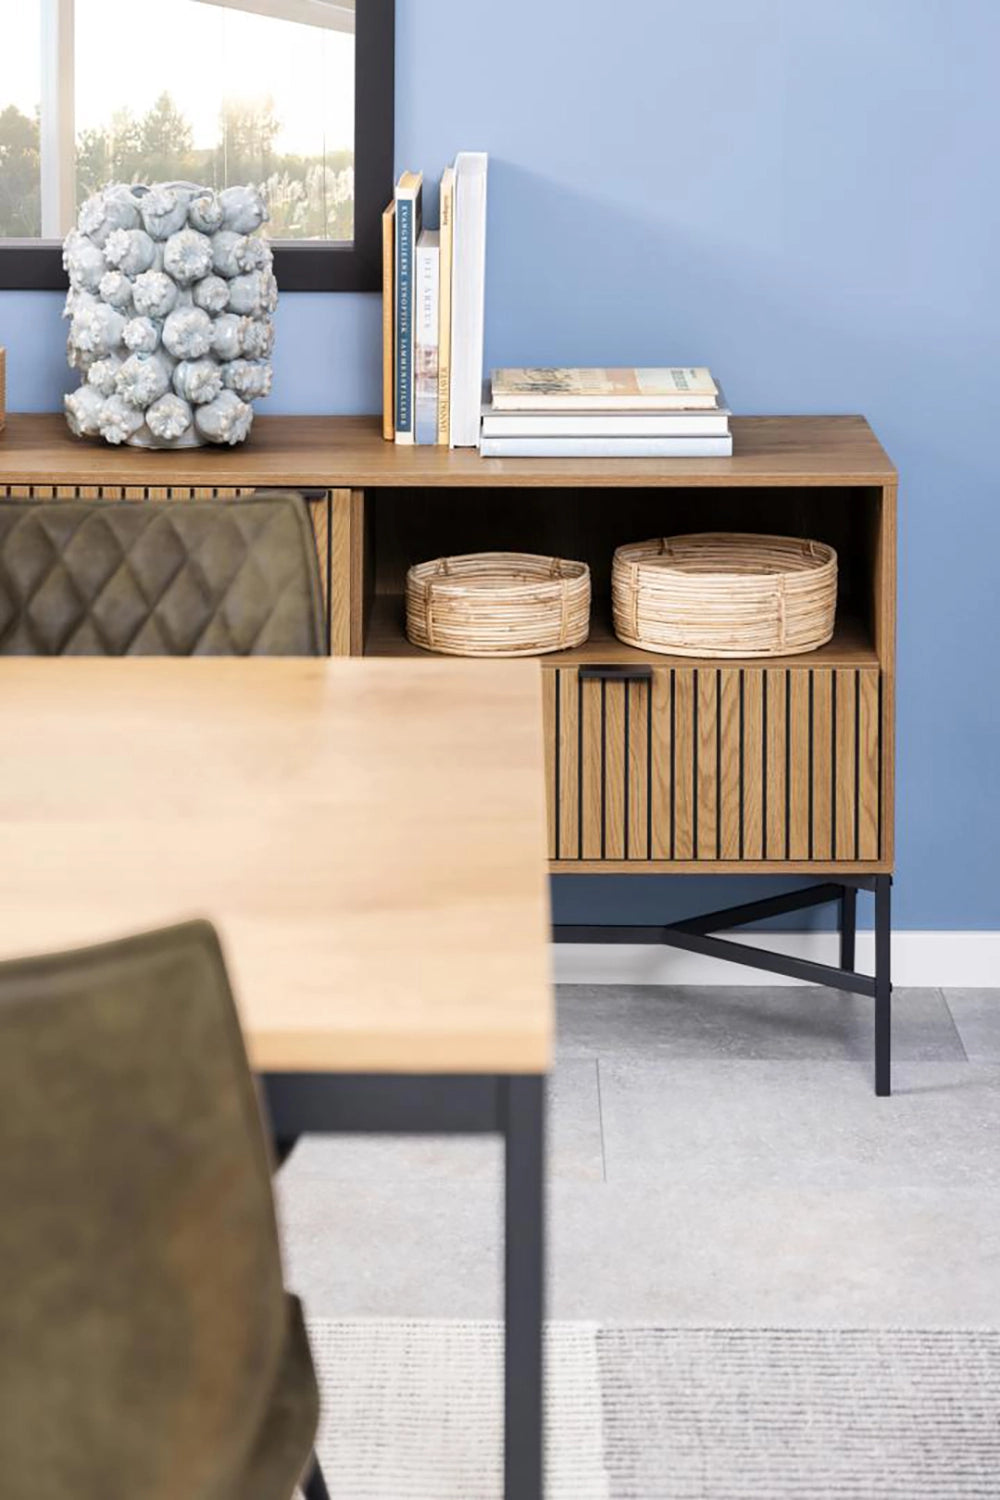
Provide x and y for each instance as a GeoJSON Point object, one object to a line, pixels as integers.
{"type": "Point", "coordinates": [444, 305]}
{"type": "Point", "coordinates": [606, 447]}
{"type": "Point", "coordinates": [425, 355]}
{"type": "Point", "coordinates": [630, 424]}
{"type": "Point", "coordinates": [467, 299]}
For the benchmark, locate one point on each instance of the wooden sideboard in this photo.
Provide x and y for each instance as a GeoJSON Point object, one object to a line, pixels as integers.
{"type": "Point", "coordinates": [653, 763]}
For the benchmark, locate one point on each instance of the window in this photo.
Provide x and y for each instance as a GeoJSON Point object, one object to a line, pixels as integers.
{"type": "Point", "coordinates": [295, 95]}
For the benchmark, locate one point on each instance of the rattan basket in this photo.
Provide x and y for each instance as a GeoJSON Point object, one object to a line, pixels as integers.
{"type": "Point", "coordinates": [725, 594]}
{"type": "Point", "coordinates": [497, 604]}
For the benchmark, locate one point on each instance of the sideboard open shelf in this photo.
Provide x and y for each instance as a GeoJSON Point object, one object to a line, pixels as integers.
{"type": "Point", "coordinates": [654, 764]}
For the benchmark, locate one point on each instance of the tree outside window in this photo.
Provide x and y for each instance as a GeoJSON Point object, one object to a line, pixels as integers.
{"type": "Point", "coordinates": [290, 140]}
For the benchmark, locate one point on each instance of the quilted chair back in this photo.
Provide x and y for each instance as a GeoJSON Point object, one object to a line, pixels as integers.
{"type": "Point", "coordinates": [147, 1345]}
{"type": "Point", "coordinates": [159, 578]}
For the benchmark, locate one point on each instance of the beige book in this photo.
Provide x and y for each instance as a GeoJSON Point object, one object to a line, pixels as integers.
{"type": "Point", "coordinates": [635, 389]}
{"type": "Point", "coordinates": [444, 306]}
{"type": "Point", "coordinates": [388, 324]}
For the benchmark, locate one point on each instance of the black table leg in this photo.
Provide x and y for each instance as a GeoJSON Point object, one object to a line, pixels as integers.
{"type": "Point", "coordinates": [283, 1148]}
{"type": "Point", "coordinates": [315, 1486]}
{"type": "Point", "coordinates": [883, 986]}
{"type": "Point", "coordinates": [848, 924]}
{"type": "Point", "coordinates": [524, 1131]}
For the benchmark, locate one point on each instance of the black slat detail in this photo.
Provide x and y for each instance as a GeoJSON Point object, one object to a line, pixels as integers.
{"type": "Point", "coordinates": [809, 803]}
{"type": "Point", "coordinates": [579, 767]}
{"type": "Point", "coordinates": [604, 769]}
{"type": "Point", "coordinates": [857, 763]}
{"type": "Point", "coordinates": [718, 767]}
{"type": "Point", "coordinates": [628, 768]}
{"type": "Point", "coordinates": [694, 765]}
{"type": "Point", "coordinates": [763, 764]}
{"type": "Point", "coordinates": [742, 731]}
{"type": "Point", "coordinates": [833, 763]}
{"type": "Point", "coordinates": [788, 764]}
{"type": "Point", "coordinates": [673, 764]}
{"type": "Point", "coordinates": [557, 763]}
{"type": "Point", "coordinates": [649, 769]}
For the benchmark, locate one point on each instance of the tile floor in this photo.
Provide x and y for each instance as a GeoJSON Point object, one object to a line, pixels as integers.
{"type": "Point", "coordinates": [717, 1156]}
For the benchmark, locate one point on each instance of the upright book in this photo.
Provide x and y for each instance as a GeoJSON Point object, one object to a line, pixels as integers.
{"type": "Point", "coordinates": [468, 292]}
{"type": "Point", "coordinates": [638, 389]}
{"type": "Point", "coordinates": [425, 363]}
{"type": "Point", "coordinates": [408, 212]}
{"type": "Point", "coordinates": [444, 305]}
{"type": "Point", "coordinates": [388, 323]}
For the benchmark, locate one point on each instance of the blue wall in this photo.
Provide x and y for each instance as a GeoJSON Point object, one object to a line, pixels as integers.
{"type": "Point", "coordinates": [802, 195]}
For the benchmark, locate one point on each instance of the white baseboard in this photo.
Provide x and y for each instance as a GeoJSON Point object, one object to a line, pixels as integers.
{"type": "Point", "coordinates": [952, 960]}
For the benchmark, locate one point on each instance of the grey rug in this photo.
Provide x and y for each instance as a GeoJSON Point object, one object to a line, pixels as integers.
{"type": "Point", "coordinates": [412, 1411]}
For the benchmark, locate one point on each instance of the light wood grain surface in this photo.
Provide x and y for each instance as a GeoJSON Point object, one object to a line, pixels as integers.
{"type": "Point", "coordinates": [369, 838]}
{"type": "Point", "coordinates": [351, 452]}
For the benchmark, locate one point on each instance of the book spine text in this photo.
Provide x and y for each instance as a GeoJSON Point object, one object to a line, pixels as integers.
{"type": "Point", "coordinates": [444, 307]}
{"type": "Point", "coordinates": [388, 324]}
{"type": "Point", "coordinates": [404, 320]}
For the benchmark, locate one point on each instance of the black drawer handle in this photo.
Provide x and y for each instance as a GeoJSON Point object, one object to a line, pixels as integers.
{"type": "Point", "coordinates": [615, 673]}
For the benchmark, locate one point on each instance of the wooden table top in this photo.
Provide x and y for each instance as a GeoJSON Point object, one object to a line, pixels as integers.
{"type": "Point", "coordinates": [368, 837]}
{"type": "Point", "coordinates": [350, 452]}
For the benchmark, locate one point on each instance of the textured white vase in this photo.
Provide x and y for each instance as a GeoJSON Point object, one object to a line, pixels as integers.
{"type": "Point", "coordinates": [170, 303]}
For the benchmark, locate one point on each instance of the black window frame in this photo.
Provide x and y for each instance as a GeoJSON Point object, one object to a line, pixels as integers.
{"type": "Point", "coordinates": [36, 265]}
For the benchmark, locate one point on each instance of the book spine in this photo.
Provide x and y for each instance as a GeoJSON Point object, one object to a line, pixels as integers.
{"type": "Point", "coordinates": [705, 447]}
{"type": "Point", "coordinates": [467, 304]}
{"type": "Point", "coordinates": [604, 424]}
{"type": "Point", "coordinates": [405, 214]}
{"type": "Point", "coordinates": [426, 344]}
{"type": "Point", "coordinates": [444, 307]}
{"type": "Point", "coordinates": [388, 324]}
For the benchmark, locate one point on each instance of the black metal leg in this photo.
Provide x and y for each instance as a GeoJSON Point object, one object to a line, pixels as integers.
{"type": "Point", "coordinates": [315, 1486]}
{"type": "Point", "coordinates": [524, 1126]}
{"type": "Point", "coordinates": [283, 1148]}
{"type": "Point", "coordinates": [848, 925]}
{"type": "Point", "coordinates": [883, 986]}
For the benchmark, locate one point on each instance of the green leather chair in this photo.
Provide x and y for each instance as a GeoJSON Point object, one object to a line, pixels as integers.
{"type": "Point", "coordinates": [119, 1375]}
{"type": "Point", "coordinates": [160, 578]}
{"type": "Point", "coordinates": [147, 1346]}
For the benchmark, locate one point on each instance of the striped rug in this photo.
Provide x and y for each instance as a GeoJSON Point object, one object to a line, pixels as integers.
{"type": "Point", "coordinates": [412, 1411]}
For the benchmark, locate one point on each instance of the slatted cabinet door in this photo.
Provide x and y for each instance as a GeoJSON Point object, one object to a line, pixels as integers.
{"type": "Point", "coordinates": [716, 765]}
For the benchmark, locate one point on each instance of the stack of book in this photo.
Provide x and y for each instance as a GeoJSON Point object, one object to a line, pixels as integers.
{"type": "Point", "coordinates": [433, 283]}
{"type": "Point", "coordinates": [637, 413]}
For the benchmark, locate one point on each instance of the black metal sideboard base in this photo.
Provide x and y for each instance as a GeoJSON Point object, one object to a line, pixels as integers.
{"type": "Point", "coordinates": [695, 935]}
{"type": "Point", "coordinates": [510, 1105]}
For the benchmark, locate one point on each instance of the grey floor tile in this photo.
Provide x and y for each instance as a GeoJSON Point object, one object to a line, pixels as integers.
{"type": "Point", "coordinates": [977, 1016]}
{"type": "Point", "coordinates": [752, 1177]}
{"type": "Point", "coordinates": [575, 1145]}
{"type": "Point", "coordinates": [816, 1125]}
{"type": "Point", "coordinates": [907, 1256]}
{"type": "Point", "coordinates": [904, 1255]}
{"type": "Point", "coordinates": [428, 1247]}
{"type": "Point", "coordinates": [784, 1022]}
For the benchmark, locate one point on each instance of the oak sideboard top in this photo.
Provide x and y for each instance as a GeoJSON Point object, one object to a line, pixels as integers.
{"type": "Point", "coordinates": [350, 453]}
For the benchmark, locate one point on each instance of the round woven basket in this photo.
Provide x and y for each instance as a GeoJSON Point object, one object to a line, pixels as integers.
{"type": "Point", "coordinates": [497, 604]}
{"type": "Point", "coordinates": [725, 594]}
